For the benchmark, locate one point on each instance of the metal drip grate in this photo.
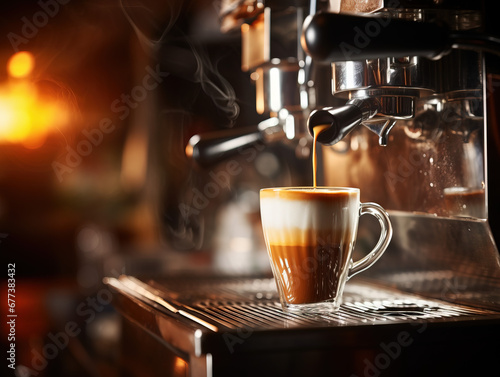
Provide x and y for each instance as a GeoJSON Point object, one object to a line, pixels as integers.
{"type": "Point", "coordinates": [254, 304]}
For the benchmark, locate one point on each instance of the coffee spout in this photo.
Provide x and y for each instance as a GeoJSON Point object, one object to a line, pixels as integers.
{"type": "Point", "coordinates": [341, 120]}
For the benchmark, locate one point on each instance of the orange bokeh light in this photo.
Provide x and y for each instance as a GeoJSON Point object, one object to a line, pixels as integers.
{"type": "Point", "coordinates": [26, 117]}
{"type": "Point", "coordinates": [21, 64]}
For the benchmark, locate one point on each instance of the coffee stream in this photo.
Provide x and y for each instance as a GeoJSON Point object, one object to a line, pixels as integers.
{"type": "Point", "coordinates": [313, 284]}
{"type": "Point", "coordinates": [316, 131]}
{"type": "Point", "coordinates": [309, 264]}
{"type": "Point", "coordinates": [310, 234]}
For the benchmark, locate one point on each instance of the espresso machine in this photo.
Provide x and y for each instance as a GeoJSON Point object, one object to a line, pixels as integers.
{"type": "Point", "coordinates": [408, 92]}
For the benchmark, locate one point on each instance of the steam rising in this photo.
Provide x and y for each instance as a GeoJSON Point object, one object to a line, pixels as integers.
{"type": "Point", "coordinates": [173, 12]}
{"type": "Point", "coordinates": [185, 55]}
{"type": "Point", "coordinates": [194, 64]}
{"type": "Point", "coordinates": [218, 88]}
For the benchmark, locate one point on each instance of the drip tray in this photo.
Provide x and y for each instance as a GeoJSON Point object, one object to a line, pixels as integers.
{"type": "Point", "coordinates": [237, 327]}
{"type": "Point", "coordinates": [254, 303]}
{"type": "Point", "coordinates": [229, 304]}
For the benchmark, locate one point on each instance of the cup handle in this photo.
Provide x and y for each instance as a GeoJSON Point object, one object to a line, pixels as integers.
{"type": "Point", "coordinates": [385, 237]}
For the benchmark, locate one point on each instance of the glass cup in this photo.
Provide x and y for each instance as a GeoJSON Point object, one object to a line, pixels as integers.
{"type": "Point", "coordinates": [310, 234]}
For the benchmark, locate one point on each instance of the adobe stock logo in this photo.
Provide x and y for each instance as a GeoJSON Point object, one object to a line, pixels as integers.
{"type": "Point", "coordinates": [31, 26]}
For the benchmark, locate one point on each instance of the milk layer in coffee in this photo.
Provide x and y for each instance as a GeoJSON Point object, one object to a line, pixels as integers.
{"type": "Point", "coordinates": [310, 233]}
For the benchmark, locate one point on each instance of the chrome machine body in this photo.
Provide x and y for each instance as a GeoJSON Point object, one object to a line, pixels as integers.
{"type": "Point", "coordinates": [422, 152]}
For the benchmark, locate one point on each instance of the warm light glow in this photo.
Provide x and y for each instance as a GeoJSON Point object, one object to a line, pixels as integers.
{"type": "Point", "coordinates": [180, 366]}
{"type": "Point", "coordinates": [26, 117]}
{"type": "Point", "coordinates": [21, 64]}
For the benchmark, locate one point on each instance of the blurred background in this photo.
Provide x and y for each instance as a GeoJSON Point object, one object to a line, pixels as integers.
{"type": "Point", "coordinates": [98, 100]}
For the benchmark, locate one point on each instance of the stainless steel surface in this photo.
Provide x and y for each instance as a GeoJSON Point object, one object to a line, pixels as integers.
{"type": "Point", "coordinates": [220, 305]}
{"type": "Point", "coordinates": [271, 51]}
{"type": "Point", "coordinates": [235, 326]}
{"type": "Point", "coordinates": [255, 304]}
{"type": "Point", "coordinates": [278, 85]}
{"type": "Point", "coordinates": [388, 73]}
{"type": "Point", "coordinates": [452, 259]}
{"type": "Point", "coordinates": [398, 82]}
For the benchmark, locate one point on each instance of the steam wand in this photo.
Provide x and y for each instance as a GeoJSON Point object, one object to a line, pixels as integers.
{"type": "Point", "coordinates": [213, 147]}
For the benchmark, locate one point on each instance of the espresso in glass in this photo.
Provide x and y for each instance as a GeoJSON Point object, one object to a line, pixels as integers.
{"type": "Point", "coordinates": [310, 234]}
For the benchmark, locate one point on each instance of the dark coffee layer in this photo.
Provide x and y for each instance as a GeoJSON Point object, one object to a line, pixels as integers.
{"type": "Point", "coordinates": [309, 274]}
